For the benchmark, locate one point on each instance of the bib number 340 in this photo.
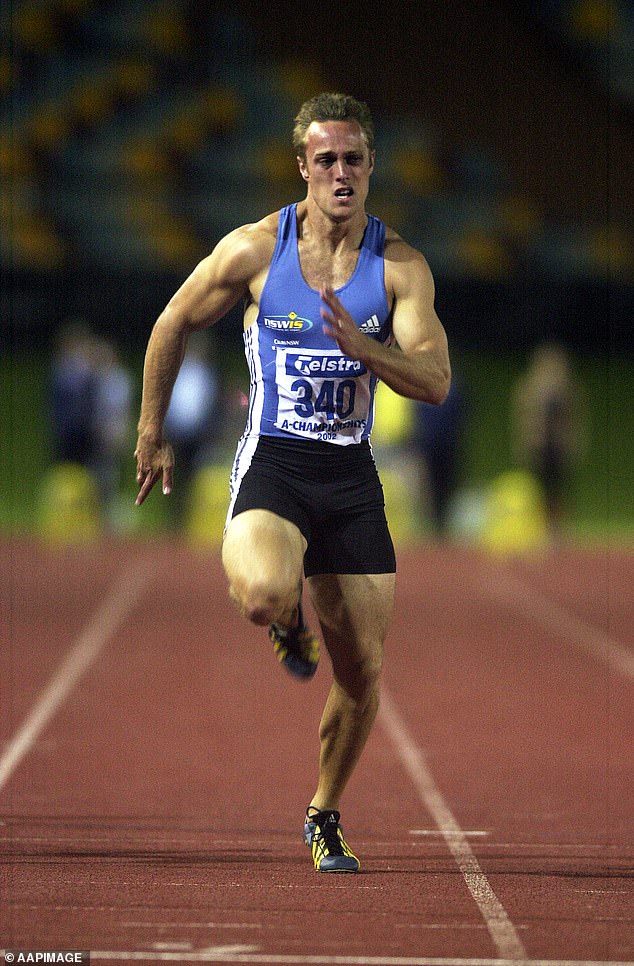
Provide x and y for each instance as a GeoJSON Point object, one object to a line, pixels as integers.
{"type": "Point", "coordinates": [335, 398]}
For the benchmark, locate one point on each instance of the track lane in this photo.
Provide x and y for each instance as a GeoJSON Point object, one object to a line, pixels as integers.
{"type": "Point", "coordinates": [172, 790]}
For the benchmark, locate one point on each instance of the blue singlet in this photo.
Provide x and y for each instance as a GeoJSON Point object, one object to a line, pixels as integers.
{"type": "Point", "coordinates": [301, 383]}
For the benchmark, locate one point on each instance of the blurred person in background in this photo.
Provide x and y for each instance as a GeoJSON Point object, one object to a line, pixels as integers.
{"type": "Point", "coordinates": [191, 422]}
{"type": "Point", "coordinates": [73, 395]}
{"type": "Point", "coordinates": [547, 429]}
{"type": "Point", "coordinates": [112, 421]}
{"type": "Point", "coordinates": [91, 410]}
{"type": "Point", "coordinates": [437, 439]}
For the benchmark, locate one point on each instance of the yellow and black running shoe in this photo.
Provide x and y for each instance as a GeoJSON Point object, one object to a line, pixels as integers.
{"type": "Point", "coordinates": [296, 648]}
{"type": "Point", "coordinates": [324, 835]}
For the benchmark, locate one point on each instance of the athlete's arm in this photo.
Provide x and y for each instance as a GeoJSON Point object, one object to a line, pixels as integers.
{"type": "Point", "coordinates": [214, 287]}
{"type": "Point", "coordinates": [421, 370]}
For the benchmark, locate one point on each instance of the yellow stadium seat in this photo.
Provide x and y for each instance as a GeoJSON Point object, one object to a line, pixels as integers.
{"type": "Point", "coordinates": [143, 158]}
{"type": "Point", "coordinates": [8, 72]}
{"type": "Point", "coordinates": [394, 418]}
{"type": "Point", "coordinates": [278, 164]}
{"type": "Point", "coordinates": [185, 133]}
{"type": "Point", "coordinates": [419, 170]}
{"type": "Point", "coordinates": [612, 250]}
{"type": "Point", "coordinates": [49, 126]}
{"type": "Point", "coordinates": [220, 109]}
{"type": "Point", "coordinates": [33, 26]}
{"type": "Point", "coordinates": [520, 217]}
{"type": "Point", "coordinates": [484, 254]}
{"type": "Point", "coordinates": [300, 79]}
{"type": "Point", "coordinates": [33, 242]}
{"type": "Point", "coordinates": [207, 505]}
{"type": "Point", "coordinates": [16, 159]}
{"type": "Point", "coordinates": [92, 101]}
{"type": "Point", "coordinates": [595, 20]}
{"type": "Point", "coordinates": [133, 77]}
{"type": "Point", "coordinates": [515, 520]}
{"type": "Point", "coordinates": [164, 29]}
{"type": "Point", "coordinates": [391, 435]}
{"type": "Point", "coordinates": [69, 510]}
{"type": "Point", "coordinates": [401, 490]}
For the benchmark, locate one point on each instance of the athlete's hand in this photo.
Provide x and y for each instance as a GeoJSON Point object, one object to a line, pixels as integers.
{"type": "Point", "coordinates": [153, 461]}
{"type": "Point", "coordinates": [340, 325]}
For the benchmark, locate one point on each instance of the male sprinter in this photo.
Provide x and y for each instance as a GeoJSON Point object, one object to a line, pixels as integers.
{"type": "Point", "coordinates": [329, 293]}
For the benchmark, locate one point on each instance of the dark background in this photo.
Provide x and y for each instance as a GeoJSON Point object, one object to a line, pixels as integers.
{"type": "Point", "coordinates": [490, 77]}
{"type": "Point", "coordinates": [134, 135]}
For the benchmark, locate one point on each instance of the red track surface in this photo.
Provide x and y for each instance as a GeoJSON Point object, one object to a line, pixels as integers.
{"type": "Point", "coordinates": [156, 762]}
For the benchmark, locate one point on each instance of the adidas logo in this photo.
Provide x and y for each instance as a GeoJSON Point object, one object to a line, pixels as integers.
{"type": "Point", "coordinates": [371, 326]}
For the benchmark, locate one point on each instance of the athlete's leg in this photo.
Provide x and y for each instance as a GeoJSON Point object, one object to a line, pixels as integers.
{"type": "Point", "coordinates": [262, 554]}
{"type": "Point", "coordinates": [354, 611]}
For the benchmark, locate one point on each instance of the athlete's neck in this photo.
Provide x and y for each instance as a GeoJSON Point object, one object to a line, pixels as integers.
{"type": "Point", "coordinates": [315, 227]}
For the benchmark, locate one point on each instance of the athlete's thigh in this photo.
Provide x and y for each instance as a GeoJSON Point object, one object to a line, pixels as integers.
{"type": "Point", "coordinates": [354, 611]}
{"type": "Point", "coordinates": [263, 545]}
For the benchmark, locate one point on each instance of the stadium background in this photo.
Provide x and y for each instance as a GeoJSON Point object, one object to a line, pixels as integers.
{"type": "Point", "coordinates": [135, 134]}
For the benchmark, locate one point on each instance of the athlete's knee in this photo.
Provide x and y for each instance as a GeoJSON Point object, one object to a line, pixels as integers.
{"type": "Point", "coordinates": [368, 671]}
{"type": "Point", "coordinates": [263, 600]}
{"type": "Point", "coordinates": [360, 677]}
{"type": "Point", "coordinates": [262, 558]}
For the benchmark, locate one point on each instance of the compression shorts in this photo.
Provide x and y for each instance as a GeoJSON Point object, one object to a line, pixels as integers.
{"type": "Point", "coordinates": [331, 493]}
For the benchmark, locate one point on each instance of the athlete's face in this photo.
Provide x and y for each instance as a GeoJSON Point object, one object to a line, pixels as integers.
{"type": "Point", "coordinates": [337, 168]}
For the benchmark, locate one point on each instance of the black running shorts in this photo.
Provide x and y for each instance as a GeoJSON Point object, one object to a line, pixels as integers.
{"type": "Point", "coordinates": [331, 493]}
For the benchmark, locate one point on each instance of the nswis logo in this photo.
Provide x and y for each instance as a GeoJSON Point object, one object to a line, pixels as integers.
{"type": "Point", "coordinates": [288, 323]}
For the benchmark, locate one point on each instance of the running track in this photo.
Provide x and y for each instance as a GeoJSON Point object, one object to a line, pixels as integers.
{"type": "Point", "coordinates": [156, 762]}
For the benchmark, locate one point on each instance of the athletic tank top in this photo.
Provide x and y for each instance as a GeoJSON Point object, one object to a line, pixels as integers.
{"type": "Point", "coordinates": [301, 382]}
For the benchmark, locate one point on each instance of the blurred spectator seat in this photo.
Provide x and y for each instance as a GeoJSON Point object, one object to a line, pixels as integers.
{"type": "Point", "coordinates": [416, 166]}
{"type": "Point", "coordinates": [391, 438]}
{"type": "Point", "coordinates": [207, 504]}
{"type": "Point", "coordinates": [34, 26]}
{"type": "Point", "coordinates": [163, 28]}
{"type": "Point", "coordinates": [28, 239]}
{"type": "Point", "coordinates": [484, 254]}
{"type": "Point", "coordinates": [300, 79]}
{"type": "Point", "coordinates": [515, 517]}
{"type": "Point", "coordinates": [69, 510]}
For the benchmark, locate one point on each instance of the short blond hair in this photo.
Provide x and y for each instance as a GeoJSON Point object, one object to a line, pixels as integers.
{"type": "Point", "coordinates": [332, 107]}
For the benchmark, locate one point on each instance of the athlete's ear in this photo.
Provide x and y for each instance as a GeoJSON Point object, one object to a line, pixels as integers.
{"type": "Point", "coordinates": [303, 168]}
{"type": "Point", "coordinates": [372, 159]}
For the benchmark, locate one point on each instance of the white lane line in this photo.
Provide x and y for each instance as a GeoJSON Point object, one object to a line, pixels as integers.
{"type": "Point", "coordinates": [520, 596]}
{"type": "Point", "coordinates": [217, 955]}
{"type": "Point", "coordinates": [193, 925]}
{"type": "Point", "coordinates": [213, 954]}
{"type": "Point", "coordinates": [119, 602]}
{"type": "Point", "coordinates": [501, 929]}
{"type": "Point", "coordinates": [439, 833]}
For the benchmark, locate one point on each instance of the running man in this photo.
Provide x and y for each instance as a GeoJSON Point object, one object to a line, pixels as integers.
{"type": "Point", "coordinates": [334, 301]}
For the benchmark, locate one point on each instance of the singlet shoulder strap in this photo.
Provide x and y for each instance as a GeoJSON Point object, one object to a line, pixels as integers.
{"type": "Point", "coordinates": [374, 237]}
{"type": "Point", "coordinates": [286, 230]}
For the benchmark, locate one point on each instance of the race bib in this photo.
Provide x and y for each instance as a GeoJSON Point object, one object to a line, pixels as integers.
{"type": "Point", "coordinates": [322, 395]}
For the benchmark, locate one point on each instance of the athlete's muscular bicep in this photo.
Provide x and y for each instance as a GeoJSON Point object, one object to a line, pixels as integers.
{"type": "Point", "coordinates": [414, 319]}
{"type": "Point", "coordinates": [214, 287]}
{"type": "Point", "coordinates": [415, 324]}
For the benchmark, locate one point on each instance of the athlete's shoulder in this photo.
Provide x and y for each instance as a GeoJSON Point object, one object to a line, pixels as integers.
{"type": "Point", "coordinates": [404, 264]}
{"type": "Point", "coordinates": [249, 248]}
{"type": "Point", "coordinates": [397, 249]}
{"type": "Point", "coordinates": [256, 237]}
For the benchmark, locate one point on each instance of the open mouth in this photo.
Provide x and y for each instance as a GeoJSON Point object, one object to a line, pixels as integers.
{"type": "Point", "coordinates": [344, 193]}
